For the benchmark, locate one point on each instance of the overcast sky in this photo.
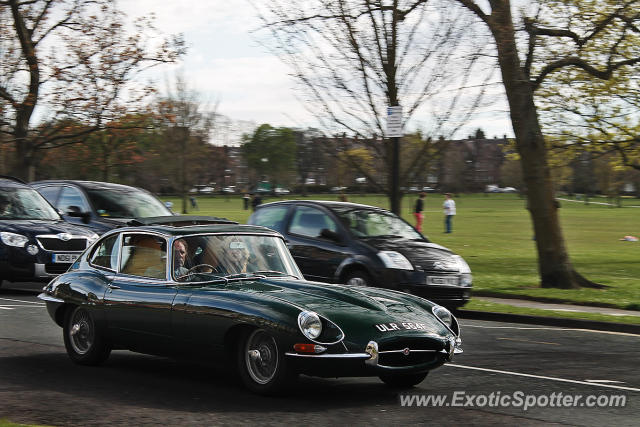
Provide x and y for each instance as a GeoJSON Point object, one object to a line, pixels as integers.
{"type": "Point", "coordinates": [226, 63]}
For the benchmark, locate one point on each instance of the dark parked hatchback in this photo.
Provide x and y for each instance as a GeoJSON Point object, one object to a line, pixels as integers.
{"type": "Point", "coordinates": [363, 245]}
{"type": "Point", "coordinates": [36, 244]}
{"type": "Point", "coordinates": [100, 206]}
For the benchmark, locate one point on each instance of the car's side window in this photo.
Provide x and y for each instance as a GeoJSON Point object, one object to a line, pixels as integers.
{"type": "Point", "coordinates": [50, 192]}
{"type": "Point", "coordinates": [106, 253]}
{"type": "Point", "coordinates": [309, 221]}
{"type": "Point", "coordinates": [72, 197]}
{"type": "Point", "coordinates": [272, 217]}
{"type": "Point", "coordinates": [144, 255]}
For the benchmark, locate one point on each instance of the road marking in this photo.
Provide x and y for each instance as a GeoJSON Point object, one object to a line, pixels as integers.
{"type": "Point", "coordinates": [529, 341]}
{"type": "Point", "coordinates": [11, 306]}
{"type": "Point", "coordinates": [550, 329]}
{"type": "Point", "coordinates": [542, 377]}
{"type": "Point", "coordinates": [605, 381]}
{"type": "Point", "coordinates": [23, 301]}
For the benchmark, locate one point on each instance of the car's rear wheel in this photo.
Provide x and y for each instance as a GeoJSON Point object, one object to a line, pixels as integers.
{"type": "Point", "coordinates": [262, 365]}
{"type": "Point", "coordinates": [83, 339]}
{"type": "Point", "coordinates": [403, 380]}
{"type": "Point", "coordinates": [358, 278]}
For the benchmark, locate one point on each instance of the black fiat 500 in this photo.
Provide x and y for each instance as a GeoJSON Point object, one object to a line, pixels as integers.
{"type": "Point", "coordinates": [36, 244]}
{"type": "Point", "coordinates": [101, 206]}
{"type": "Point", "coordinates": [363, 245]}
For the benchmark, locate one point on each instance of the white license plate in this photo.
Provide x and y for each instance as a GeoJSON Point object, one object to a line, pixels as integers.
{"type": "Point", "coordinates": [65, 258]}
{"type": "Point", "coordinates": [442, 280]}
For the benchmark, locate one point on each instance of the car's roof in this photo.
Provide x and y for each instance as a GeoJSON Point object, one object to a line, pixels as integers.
{"type": "Point", "coordinates": [11, 182]}
{"type": "Point", "coordinates": [338, 206]}
{"type": "Point", "coordinates": [200, 229]}
{"type": "Point", "coordinates": [93, 185]}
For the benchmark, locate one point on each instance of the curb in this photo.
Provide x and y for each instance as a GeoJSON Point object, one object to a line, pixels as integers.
{"type": "Point", "coordinates": [549, 321]}
{"type": "Point", "coordinates": [549, 300]}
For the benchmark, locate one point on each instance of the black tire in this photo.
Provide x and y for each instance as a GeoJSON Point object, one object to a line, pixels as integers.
{"type": "Point", "coordinates": [358, 278]}
{"type": "Point", "coordinates": [83, 339]}
{"type": "Point", "coordinates": [403, 380]}
{"type": "Point", "coordinates": [265, 372]}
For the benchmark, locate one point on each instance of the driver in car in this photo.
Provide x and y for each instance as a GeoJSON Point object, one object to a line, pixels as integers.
{"type": "Point", "coordinates": [179, 258]}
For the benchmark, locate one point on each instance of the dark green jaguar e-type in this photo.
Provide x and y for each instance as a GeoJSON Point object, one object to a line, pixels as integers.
{"type": "Point", "coordinates": [217, 289]}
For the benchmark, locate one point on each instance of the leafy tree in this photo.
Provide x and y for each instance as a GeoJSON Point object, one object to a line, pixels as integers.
{"type": "Point", "coordinates": [598, 38]}
{"type": "Point", "coordinates": [271, 152]}
{"type": "Point", "coordinates": [69, 60]}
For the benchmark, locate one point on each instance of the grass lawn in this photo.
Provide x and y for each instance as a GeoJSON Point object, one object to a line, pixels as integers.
{"type": "Point", "coordinates": [494, 234]}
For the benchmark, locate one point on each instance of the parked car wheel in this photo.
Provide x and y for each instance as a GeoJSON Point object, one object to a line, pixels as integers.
{"type": "Point", "coordinates": [84, 341]}
{"type": "Point", "coordinates": [262, 366]}
{"type": "Point", "coordinates": [358, 278]}
{"type": "Point", "coordinates": [403, 380]}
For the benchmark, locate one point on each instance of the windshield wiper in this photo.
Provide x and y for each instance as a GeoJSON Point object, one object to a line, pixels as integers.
{"type": "Point", "coordinates": [243, 276]}
{"type": "Point", "coordinates": [274, 272]}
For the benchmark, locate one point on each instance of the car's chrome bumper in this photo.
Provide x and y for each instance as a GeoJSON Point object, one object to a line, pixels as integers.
{"type": "Point", "coordinates": [371, 356]}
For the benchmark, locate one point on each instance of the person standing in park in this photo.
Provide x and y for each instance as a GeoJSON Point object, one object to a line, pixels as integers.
{"type": "Point", "coordinates": [418, 211]}
{"type": "Point", "coordinates": [449, 211]}
{"type": "Point", "coordinates": [245, 201]}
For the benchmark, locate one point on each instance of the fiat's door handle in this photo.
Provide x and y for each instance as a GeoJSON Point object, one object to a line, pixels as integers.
{"type": "Point", "coordinates": [112, 287]}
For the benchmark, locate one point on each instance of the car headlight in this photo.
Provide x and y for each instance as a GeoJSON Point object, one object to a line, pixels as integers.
{"type": "Point", "coordinates": [466, 279]}
{"type": "Point", "coordinates": [463, 267]}
{"type": "Point", "coordinates": [13, 239]}
{"type": "Point", "coordinates": [443, 314]}
{"type": "Point", "coordinates": [393, 259]}
{"type": "Point", "coordinates": [310, 324]}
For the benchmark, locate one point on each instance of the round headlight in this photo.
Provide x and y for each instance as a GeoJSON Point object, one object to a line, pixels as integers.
{"type": "Point", "coordinates": [310, 324]}
{"type": "Point", "coordinates": [13, 239]}
{"type": "Point", "coordinates": [443, 314]}
{"type": "Point", "coordinates": [32, 249]}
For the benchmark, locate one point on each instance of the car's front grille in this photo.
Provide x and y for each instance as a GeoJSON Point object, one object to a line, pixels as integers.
{"type": "Point", "coordinates": [57, 268]}
{"type": "Point", "coordinates": [411, 359]}
{"type": "Point", "coordinates": [408, 352]}
{"type": "Point", "coordinates": [56, 244]}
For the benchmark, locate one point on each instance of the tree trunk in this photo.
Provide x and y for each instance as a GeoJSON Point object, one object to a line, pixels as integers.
{"type": "Point", "coordinates": [555, 268]}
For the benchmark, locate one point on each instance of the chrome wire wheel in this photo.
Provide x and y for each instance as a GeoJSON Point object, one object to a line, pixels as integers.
{"type": "Point", "coordinates": [81, 332]}
{"type": "Point", "coordinates": [261, 357]}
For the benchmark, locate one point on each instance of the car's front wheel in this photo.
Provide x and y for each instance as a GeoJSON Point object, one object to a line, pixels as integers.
{"type": "Point", "coordinates": [83, 339]}
{"type": "Point", "coordinates": [262, 365]}
{"type": "Point", "coordinates": [358, 278]}
{"type": "Point", "coordinates": [403, 380]}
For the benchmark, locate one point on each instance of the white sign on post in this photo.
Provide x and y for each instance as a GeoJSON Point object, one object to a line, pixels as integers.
{"type": "Point", "coordinates": [394, 121]}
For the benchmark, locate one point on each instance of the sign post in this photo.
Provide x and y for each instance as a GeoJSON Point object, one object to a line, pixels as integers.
{"type": "Point", "coordinates": [394, 131]}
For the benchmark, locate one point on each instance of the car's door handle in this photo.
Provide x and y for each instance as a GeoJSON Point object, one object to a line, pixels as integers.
{"type": "Point", "coordinates": [112, 287]}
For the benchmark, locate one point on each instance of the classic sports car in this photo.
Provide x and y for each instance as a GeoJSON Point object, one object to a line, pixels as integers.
{"type": "Point", "coordinates": [218, 289]}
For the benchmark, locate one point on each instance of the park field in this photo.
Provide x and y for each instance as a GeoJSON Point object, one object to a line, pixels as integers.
{"type": "Point", "coordinates": [493, 233]}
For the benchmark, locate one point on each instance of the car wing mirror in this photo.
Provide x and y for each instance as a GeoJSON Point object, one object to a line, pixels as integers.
{"type": "Point", "coordinates": [75, 211]}
{"type": "Point", "coordinates": [331, 235]}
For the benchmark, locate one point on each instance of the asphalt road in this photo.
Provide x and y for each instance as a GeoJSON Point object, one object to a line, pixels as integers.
{"type": "Point", "coordinates": [39, 385]}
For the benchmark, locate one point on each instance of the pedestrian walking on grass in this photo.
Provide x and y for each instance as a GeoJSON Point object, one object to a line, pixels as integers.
{"type": "Point", "coordinates": [449, 211]}
{"type": "Point", "coordinates": [418, 211]}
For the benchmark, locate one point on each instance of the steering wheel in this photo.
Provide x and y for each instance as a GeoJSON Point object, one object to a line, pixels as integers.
{"type": "Point", "coordinates": [193, 269]}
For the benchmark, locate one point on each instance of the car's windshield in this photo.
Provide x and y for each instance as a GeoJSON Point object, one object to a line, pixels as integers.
{"type": "Point", "coordinates": [365, 223]}
{"type": "Point", "coordinates": [25, 203]}
{"type": "Point", "coordinates": [125, 203]}
{"type": "Point", "coordinates": [230, 256]}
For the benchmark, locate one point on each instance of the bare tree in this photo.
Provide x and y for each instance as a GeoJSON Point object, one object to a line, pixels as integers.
{"type": "Point", "coordinates": [186, 122]}
{"type": "Point", "coordinates": [354, 58]}
{"type": "Point", "coordinates": [70, 60]}
{"type": "Point", "coordinates": [592, 41]}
